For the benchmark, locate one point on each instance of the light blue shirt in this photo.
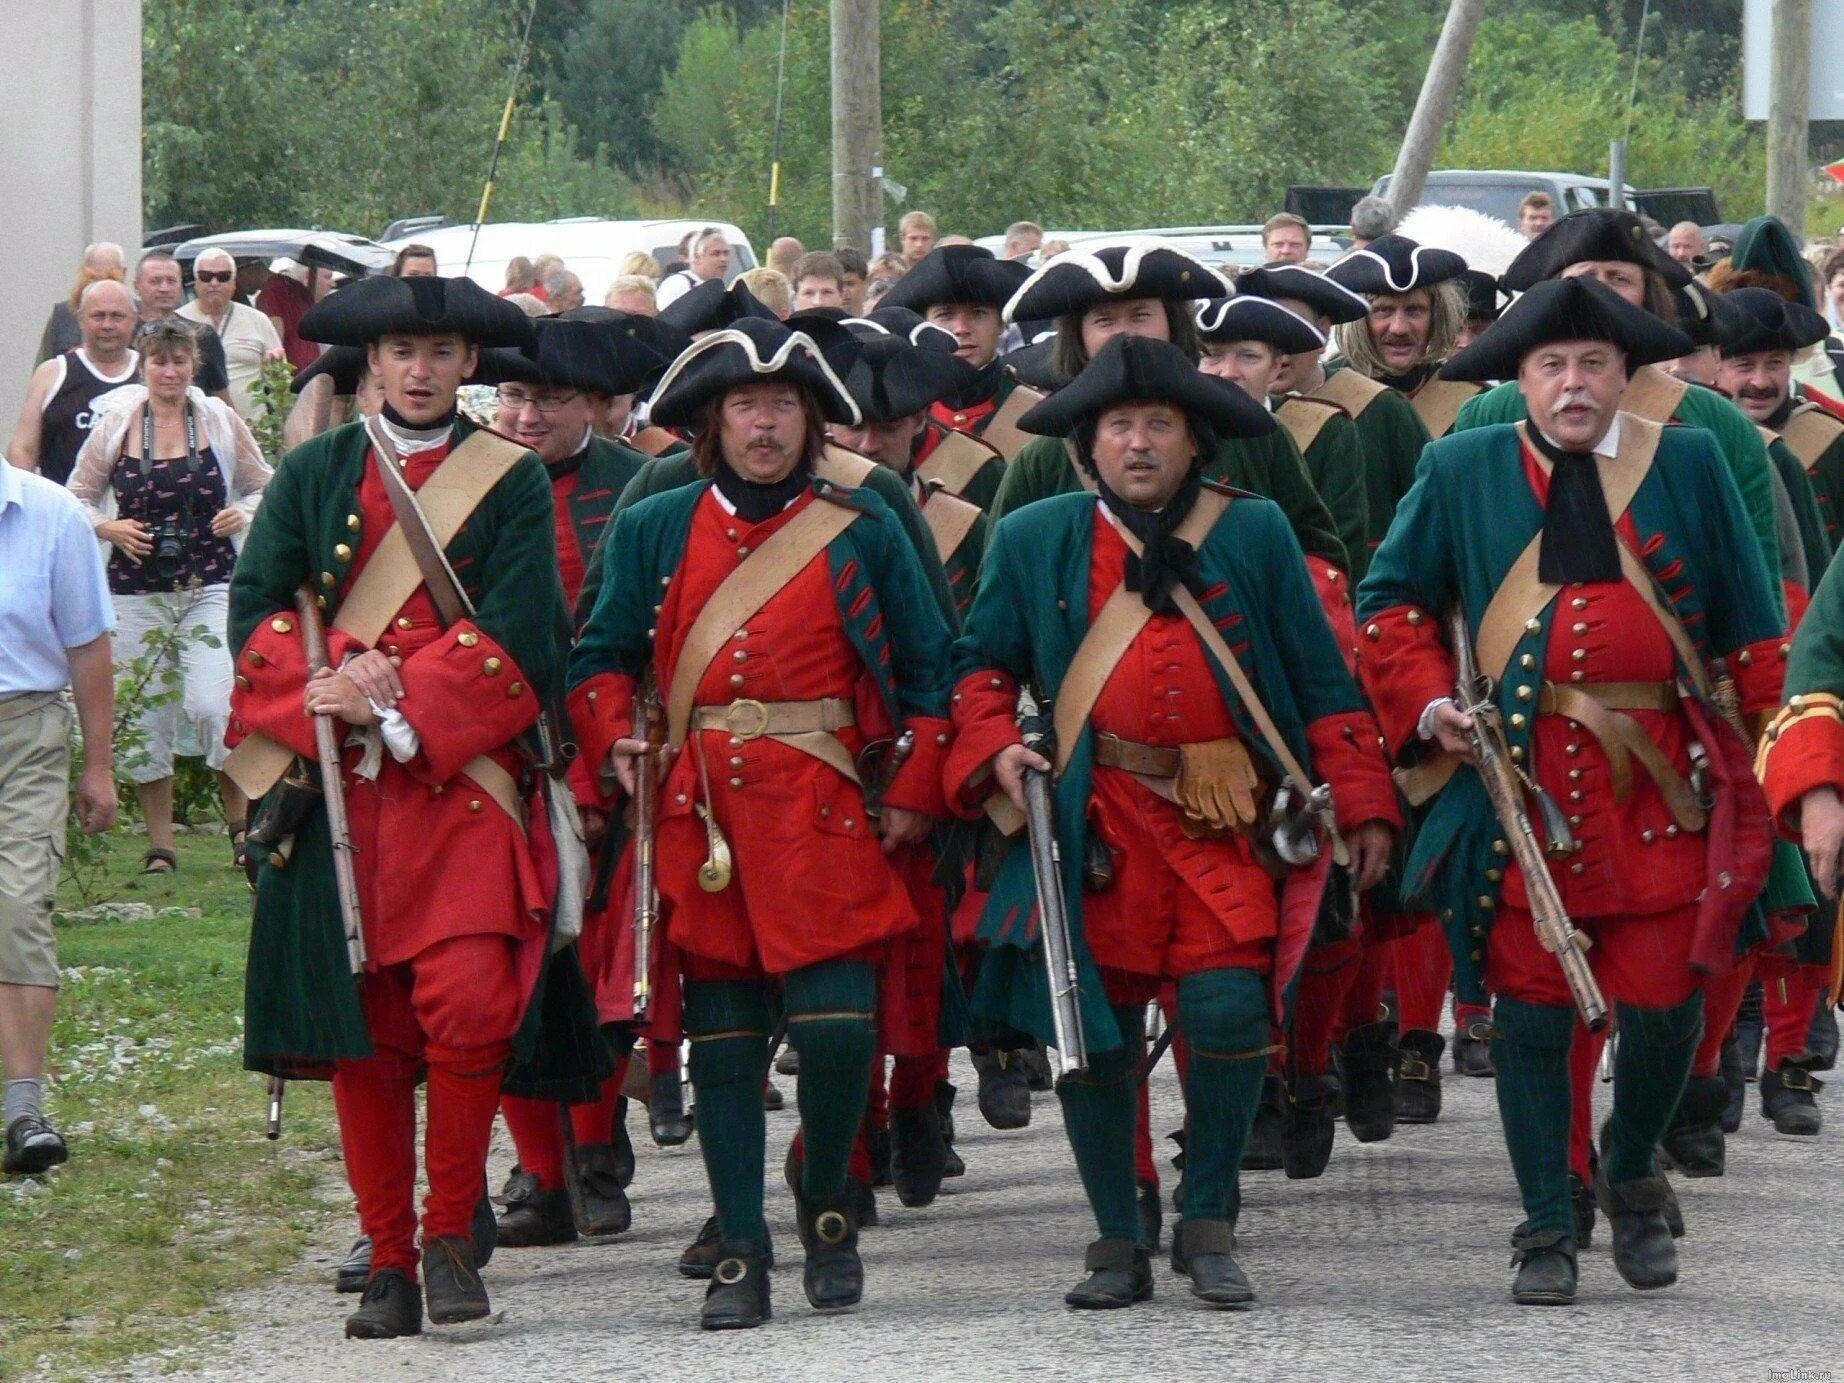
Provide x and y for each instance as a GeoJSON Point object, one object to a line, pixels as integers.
{"type": "Point", "coordinates": [54, 589]}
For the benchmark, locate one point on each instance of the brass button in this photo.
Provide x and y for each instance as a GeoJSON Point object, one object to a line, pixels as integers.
{"type": "Point", "coordinates": [1517, 753]}
{"type": "Point", "coordinates": [591, 698]}
{"type": "Point", "coordinates": [1648, 835]}
{"type": "Point", "coordinates": [467, 638]}
{"type": "Point", "coordinates": [473, 804]}
{"type": "Point", "coordinates": [1577, 867]}
{"type": "Point", "coordinates": [735, 741]}
{"type": "Point", "coordinates": [1578, 676]}
{"type": "Point", "coordinates": [740, 634]}
{"type": "Point", "coordinates": [1531, 626]}
{"type": "Point", "coordinates": [825, 811]}
{"type": "Point", "coordinates": [665, 581]}
{"type": "Point", "coordinates": [1580, 626]}
{"type": "Point", "coordinates": [736, 782]}
{"type": "Point", "coordinates": [1744, 657]}
{"type": "Point", "coordinates": [1571, 748]}
{"type": "Point", "coordinates": [352, 522]}
{"type": "Point", "coordinates": [515, 689]}
{"type": "Point", "coordinates": [680, 799]}
{"type": "Point", "coordinates": [1672, 829]}
{"type": "Point", "coordinates": [255, 659]}
{"type": "Point", "coordinates": [1580, 602]}
{"type": "Point", "coordinates": [491, 667]}
{"type": "Point", "coordinates": [1494, 875]}
{"type": "Point", "coordinates": [1524, 693]}
{"type": "Point", "coordinates": [281, 624]}
{"type": "Point", "coordinates": [1499, 847]}
{"type": "Point", "coordinates": [1518, 721]}
{"type": "Point", "coordinates": [438, 789]}
{"type": "Point", "coordinates": [1485, 900]}
{"type": "Point", "coordinates": [243, 681]}
{"type": "Point", "coordinates": [736, 761]}
{"type": "Point", "coordinates": [1578, 654]}
{"type": "Point", "coordinates": [327, 579]}
{"type": "Point", "coordinates": [849, 823]}
{"type": "Point", "coordinates": [1574, 775]}
{"type": "Point", "coordinates": [1371, 631]}
{"type": "Point", "coordinates": [729, 533]}
{"type": "Point", "coordinates": [343, 552]}
{"type": "Point", "coordinates": [1575, 821]}
{"type": "Point", "coordinates": [742, 550]}
{"type": "Point", "coordinates": [1576, 795]}
{"type": "Point", "coordinates": [405, 622]}
{"type": "Point", "coordinates": [736, 679]}
{"type": "Point", "coordinates": [1527, 661]}
{"type": "Point", "coordinates": [393, 650]}
{"type": "Point", "coordinates": [1415, 617]}
{"type": "Point", "coordinates": [740, 656]}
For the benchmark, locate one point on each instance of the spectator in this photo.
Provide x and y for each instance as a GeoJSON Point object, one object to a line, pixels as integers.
{"type": "Point", "coordinates": [542, 268]}
{"type": "Point", "coordinates": [413, 261]}
{"type": "Point", "coordinates": [638, 264]}
{"type": "Point", "coordinates": [530, 304]}
{"type": "Point", "coordinates": [681, 260]}
{"type": "Point", "coordinates": [709, 259]}
{"type": "Point", "coordinates": [819, 281]}
{"type": "Point", "coordinates": [784, 254]}
{"type": "Point", "coordinates": [57, 412]}
{"type": "Point", "coordinates": [633, 293]}
{"type": "Point", "coordinates": [159, 291]}
{"type": "Point", "coordinates": [771, 288]}
{"type": "Point", "coordinates": [284, 300]}
{"type": "Point", "coordinates": [249, 337]}
{"type": "Point", "coordinates": [886, 271]}
{"type": "Point", "coordinates": [1535, 214]}
{"type": "Point", "coordinates": [1021, 240]}
{"type": "Point", "coordinates": [519, 276]}
{"type": "Point", "coordinates": [54, 632]}
{"type": "Point", "coordinates": [102, 260]}
{"type": "Point", "coordinates": [1831, 274]}
{"type": "Point", "coordinates": [1050, 249]}
{"type": "Point", "coordinates": [916, 234]}
{"type": "Point", "coordinates": [855, 268]}
{"type": "Point", "coordinates": [563, 291]}
{"type": "Point", "coordinates": [1286, 238]}
{"type": "Point", "coordinates": [953, 240]}
{"type": "Point", "coordinates": [1371, 219]}
{"type": "Point", "coordinates": [170, 478]}
{"type": "Point", "coordinates": [1686, 244]}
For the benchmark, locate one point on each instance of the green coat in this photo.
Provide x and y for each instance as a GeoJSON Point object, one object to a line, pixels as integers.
{"type": "Point", "coordinates": [1814, 533]}
{"type": "Point", "coordinates": [607, 468]}
{"type": "Point", "coordinates": [1391, 435]}
{"type": "Point", "coordinates": [1335, 464]}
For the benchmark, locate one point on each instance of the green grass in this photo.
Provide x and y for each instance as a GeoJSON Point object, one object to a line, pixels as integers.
{"type": "Point", "coordinates": [172, 1196]}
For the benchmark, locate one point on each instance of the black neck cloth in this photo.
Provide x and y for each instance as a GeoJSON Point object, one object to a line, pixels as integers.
{"type": "Point", "coordinates": [1578, 534]}
{"type": "Point", "coordinates": [983, 385]}
{"type": "Point", "coordinates": [1409, 382]}
{"type": "Point", "coordinates": [1778, 418]}
{"type": "Point", "coordinates": [397, 420]}
{"type": "Point", "coordinates": [755, 502]}
{"type": "Point", "coordinates": [571, 464]}
{"type": "Point", "coordinates": [1165, 560]}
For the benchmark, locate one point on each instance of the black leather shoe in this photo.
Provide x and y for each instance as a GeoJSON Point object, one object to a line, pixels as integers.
{"type": "Point", "coordinates": [1368, 1066]}
{"type": "Point", "coordinates": [593, 1179]}
{"type": "Point", "coordinates": [623, 1145]}
{"type": "Point", "coordinates": [33, 1146]}
{"type": "Point", "coordinates": [737, 1298]}
{"type": "Point", "coordinates": [1307, 1129]}
{"type": "Point", "coordinates": [1119, 1274]}
{"type": "Point", "coordinates": [877, 1145]}
{"type": "Point", "coordinates": [1693, 1142]}
{"type": "Point", "coordinates": [1734, 1082]}
{"type": "Point", "coordinates": [951, 1164]}
{"type": "Point", "coordinates": [1787, 1098]}
{"type": "Point", "coordinates": [1005, 1097]}
{"type": "Point", "coordinates": [1266, 1149]}
{"type": "Point", "coordinates": [787, 1062]}
{"type": "Point", "coordinates": [1418, 1077]}
{"type": "Point", "coordinates": [834, 1275]}
{"type": "Point", "coordinates": [451, 1282]}
{"type": "Point", "coordinates": [700, 1257]}
{"type": "Point", "coordinates": [666, 1114]}
{"type": "Point", "coordinates": [391, 1307]}
{"type": "Point", "coordinates": [772, 1099]}
{"type": "Point", "coordinates": [1152, 1215]}
{"type": "Point", "coordinates": [484, 1230]}
{"type": "Point", "coordinates": [1036, 1063]}
{"type": "Point", "coordinates": [1472, 1050]}
{"type": "Point", "coordinates": [1204, 1251]}
{"type": "Point", "coordinates": [918, 1156]}
{"type": "Point", "coordinates": [1545, 1263]}
{"type": "Point", "coordinates": [1581, 1202]}
{"type": "Point", "coordinates": [355, 1272]}
{"type": "Point", "coordinates": [535, 1218]}
{"type": "Point", "coordinates": [1643, 1250]}
{"type": "Point", "coordinates": [1822, 1036]}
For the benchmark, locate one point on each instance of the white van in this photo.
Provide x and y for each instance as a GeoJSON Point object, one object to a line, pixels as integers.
{"type": "Point", "coordinates": [590, 247]}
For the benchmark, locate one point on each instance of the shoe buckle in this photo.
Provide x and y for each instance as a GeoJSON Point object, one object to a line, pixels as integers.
{"type": "Point", "coordinates": [1799, 1078]}
{"type": "Point", "coordinates": [832, 1227]}
{"type": "Point", "coordinates": [1414, 1068]}
{"type": "Point", "coordinates": [731, 1271]}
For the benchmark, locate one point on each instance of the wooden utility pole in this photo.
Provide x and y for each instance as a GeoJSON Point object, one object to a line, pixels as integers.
{"type": "Point", "coordinates": [1434, 107]}
{"type": "Point", "coordinates": [1789, 107]}
{"type": "Point", "coordinates": [857, 123]}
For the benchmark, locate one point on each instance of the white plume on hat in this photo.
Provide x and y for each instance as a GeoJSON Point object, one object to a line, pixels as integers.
{"type": "Point", "coordinates": [1484, 242]}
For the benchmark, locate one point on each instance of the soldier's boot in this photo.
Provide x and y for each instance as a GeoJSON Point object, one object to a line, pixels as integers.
{"type": "Point", "coordinates": [1734, 1084]}
{"type": "Point", "coordinates": [1545, 1263]}
{"type": "Point", "coordinates": [737, 1298]}
{"type": "Point", "coordinates": [452, 1289]}
{"type": "Point", "coordinates": [951, 1165]}
{"type": "Point", "coordinates": [1822, 1035]}
{"type": "Point", "coordinates": [391, 1307]}
{"type": "Point", "coordinates": [1644, 1252]}
{"type": "Point", "coordinates": [1177, 1136]}
{"type": "Point", "coordinates": [1418, 1077]}
{"type": "Point", "coordinates": [1308, 1129]}
{"type": "Point", "coordinates": [1787, 1098]}
{"type": "Point", "coordinates": [485, 1228]}
{"type": "Point", "coordinates": [1005, 1097]}
{"type": "Point", "coordinates": [772, 1099]}
{"type": "Point", "coordinates": [918, 1154]}
{"type": "Point", "coordinates": [1368, 1065]}
{"type": "Point", "coordinates": [1746, 1036]}
{"type": "Point", "coordinates": [1693, 1142]}
{"type": "Point", "coordinates": [354, 1272]}
{"type": "Point", "coordinates": [877, 1144]}
{"type": "Point", "coordinates": [700, 1257]}
{"type": "Point", "coordinates": [535, 1217]}
{"type": "Point", "coordinates": [834, 1275]}
{"type": "Point", "coordinates": [1267, 1146]}
{"type": "Point", "coordinates": [1204, 1251]}
{"type": "Point", "coordinates": [787, 1062]}
{"type": "Point", "coordinates": [1152, 1214]}
{"type": "Point", "coordinates": [623, 1163]}
{"type": "Point", "coordinates": [597, 1201]}
{"type": "Point", "coordinates": [1472, 1051]}
{"type": "Point", "coordinates": [1581, 1205]}
{"type": "Point", "coordinates": [857, 1189]}
{"type": "Point", "coordinates": [671, 1125]}
{"type": "Point", "coordinates": [1119, 1274]}
{"type": "Point", "coordinates": [1036, 1063]}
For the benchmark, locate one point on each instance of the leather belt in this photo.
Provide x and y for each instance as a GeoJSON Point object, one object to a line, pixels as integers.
{"type": "Point", "coordinates": [1600, 708]}
{"type": "Point", "coordinates": [751, 720]}
{"type": "Point", "coordinates": [1147, 760]}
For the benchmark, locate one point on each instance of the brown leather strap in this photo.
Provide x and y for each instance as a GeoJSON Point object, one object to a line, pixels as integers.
{"type": "Point", "coordinates": [1002, 433]}
{"type": "Point", "coordinates": [654, 441]}
{"type": "Point", "coordinates": [1653, 395]}
{"type": "Point", "coordinates": [956, 459]}
{"type": "Point", "coordinates": [1438, 402]}
{"type": "Point", "coordinates": [751, 720]}
{"type": "Point", "coordinates": [1305, 418]}
{"type": "Point", "coordinates": [1350, 391]}
{"type": "Point", "coordinates": [451, 603]}
{"type": "Point", "coordinates": [1624, 739]}
{"type": "Point", "coordinates": [497, 784]}
{"type": "Point", "coordinates": [1810, 433]}
{"type": "Point", "coordinates": [1153, 760]}
{"type": "Point", "coordinates": [1615, 696]}
{"type": "Point", "coordinates": [950, 519]}
{"type": "Point", "coordinates": [1423, 780]}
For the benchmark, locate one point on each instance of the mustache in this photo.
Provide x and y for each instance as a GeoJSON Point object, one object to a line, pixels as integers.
{"type": "Point", "coordinates": [1571, 398]}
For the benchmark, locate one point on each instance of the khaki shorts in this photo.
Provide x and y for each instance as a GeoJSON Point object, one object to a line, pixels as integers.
{"type": "Point", "coordinates": [34, 804]}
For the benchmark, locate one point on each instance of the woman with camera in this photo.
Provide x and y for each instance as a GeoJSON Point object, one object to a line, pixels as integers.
{"type": "Point", "coordinates": [170, 478]}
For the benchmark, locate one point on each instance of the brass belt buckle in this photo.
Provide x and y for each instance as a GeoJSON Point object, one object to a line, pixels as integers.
{"type": "Point", "coordinates": [746, 719]}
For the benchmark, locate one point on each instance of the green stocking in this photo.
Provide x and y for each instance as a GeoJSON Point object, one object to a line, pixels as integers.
{"type": "Point", "coordinates": [1656, 1048]}
{"type": "Point", "coordinates": [1099, 1109]}
{"type": "Point", "coordinates": [1224, 1017]}
{"type": "Point", "coordinates": [1531, 1053]}
{"type": "Point", "coordinates": [728, 1023]}
{"type": "Point", "coordinates": [830, 1009]}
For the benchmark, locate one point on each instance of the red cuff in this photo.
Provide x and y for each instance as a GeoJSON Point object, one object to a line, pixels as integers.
{"type": "Point", "coordinates": [1803, 749]}
{"type": "Point", "coordinates": [917, 785]}
{"type": "Point", "coordinates": [1348, 754]}
{"type": "Point", "coordinates": [464, 696]}
{"type": "Point", "coordinates": [1334, 589]}
{"type": "Point", "coordinates": [985, 710]}
{"type": "Point", "coordinates": [601, 712]}
{"type": "Point", "coordinates": [1404, 666]}
{"type": "Point", "coordinates": [270, 689]}
{"type": "Point", "coordinates": [1759, 670]}
{"type": "Point", "coordinates": [1797, 599]}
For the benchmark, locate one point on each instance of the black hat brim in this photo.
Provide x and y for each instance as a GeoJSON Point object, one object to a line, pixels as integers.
{"type": "Point", "coordinates": [1136, 369]}
{"type": "Point", "coordinates": [1077, 280]}
{"type": "Point", "coordinates": [1394, 265]}
{"type": "Point", "coordinates": [369, 309]}
{"type": "Point", "coordinates": [344, 365]}
{"type": "Point", "coordinates": [1764, 321]}
{"type": "Point", "coordinates": [956, 274]}
{"type": "Point", "coordinates": [1247, 317]}
{"type": "Point", "coordinates": [1570, 309]}
{"type": "Point", "coordinates": [1591, 235]}
{"type": "Point", "coordinates": [1333, 301]}
{"type": "Point", "coordinates": [750, 351]}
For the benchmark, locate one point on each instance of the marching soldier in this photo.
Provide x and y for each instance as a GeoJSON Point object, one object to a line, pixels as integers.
{"type": "Point", "coordinates": [1598, 561]}
{"type": "Point", "coordinates": [782, 613]}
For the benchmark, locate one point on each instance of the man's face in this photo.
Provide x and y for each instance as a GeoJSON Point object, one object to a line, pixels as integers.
{"type": "Point", "coordinates": [1836, 289]}
{"type": "Point", "coordinates": [851, 293]}
{"type": "Point", "coordinates": [1285, 243]}
{"type": "Point", "coordinates": [1624, 277]}
{"type": "Point", "coordinates": [1534, 220]}
{"type": "Point", "coordinates": [1469, 332]}
{"type": "Point", "coordinates": [1759, 382]}
{"type": "Point", "coordinates": [1399, 327]}
{"type": "Point", "coordinates": [157, 284]}
{"type": "Point", "coordinates": [889, 444]}
{"type": "Point", "coordinates": [1022, 246]}
{"type": "Point", "coordinates": [1144, 452]}
{"type": "Point", "coordinates": [815, 291]}
{"type": "Point", "coordinates": [762, 431]}
{"type": "Point", "coordinates": [917, 241]}
{"type": "Point", "coordinates": [1684, 244]}
{"type": "Point", "coordinates": [548, 420]}
{"type": "Point", "coordinates": [713, 258]}
{"type": "Point", "coordinates": [420, 374]}
{"type": "Point", "coordinates": [975, 326]}
{"type": "Point", "coordinates": [107, 320]}
{"type": "Point", "coordinates": [1252, 364]}
{"type": "Point", "coordinates": [615, 411]}
{"type": "Point", "coordinates": [1296, 374]}
{"type": "Point", "coordinates": [1699, 367]}
{"type": "Point", "coordinates": [418, 267]}
{"type": "Point", "coordinates": [1124, 317]}
{"type": "Point", "coordinates": [1573, 389]}
{"type": "Point", "coordinates": [641, 304]}
{"type": "Point", "coordinates": [214, 276]}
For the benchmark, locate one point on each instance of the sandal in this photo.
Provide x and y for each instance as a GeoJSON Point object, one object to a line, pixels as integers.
{"type": "Point", "coordinates": [238, 831]}
{"type": "Point", "coordinates": [158, 861]}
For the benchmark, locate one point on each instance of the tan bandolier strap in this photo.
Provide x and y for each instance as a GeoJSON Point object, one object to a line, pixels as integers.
{"type": "Point", "coordinates": [1601, 711]}
{"type": "Point", "coordinates": [1350, 391]}
{"type": "Point", "coordinates": [956, 459]}
{"type": "Point", "coordinates": [809, 726]}
{"type": "Point", "coordinates": [950, 519]}
{"type": "Point", "coordinates": [1653, 395]}
{"type": "Point", "coordinates": [1305, 418]}
{"type": "Point", "coordinates": [1003, 433]}
{"type": "Point", "coordinates": [389, 578]}
{"type": "Point", "coordinates": [1438, 402]}
{"type": "Point", "coordinates": [654, 441]}
{"type": "Point", "coordinates": [1809, 433]}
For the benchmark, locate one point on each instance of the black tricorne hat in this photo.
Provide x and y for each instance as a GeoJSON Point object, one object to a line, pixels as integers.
{"type": "Point", "coordinates": [1770, 323]}
{"type": "Point", "coordinates": [1138, 369]}
{"type": "Point", "coordinates": [710, 306]}
{"type": "Point", "coordinates": [750, 351]}
{"type": "Point", "coordinates": [1395, 265]}
{"type": "Point", "coordinates": [1571, 309]}
{"type": "Point", "coordinates": [344, 365]}
{"type": "Point", "coordinates": [1707, 317]}
{"type": "Point", "coordinates": [1483, 297]}
{"type": "Point", "coordinates": [956, 274]}
{"type": "Point", "coordinates": [1596, 233]}
{"type": "Point", "coordinates": [1247, 317]}
{"type": "Point", "coordinates": [369, 308]}
{"type": "Point", "coordinates": [1079, 279]}
{"type": "Point", "coordinates": [903, 365]}
{"type": "Point", "coordinates": [1281, 279]}
{"type": "Point", "coordinates": [1033, 365]}
{"type": "Point", "coordinates": [598, 356]}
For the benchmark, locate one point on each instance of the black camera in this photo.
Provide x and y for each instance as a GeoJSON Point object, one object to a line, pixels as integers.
{"type": "Point", "coordinates": [172, 536]}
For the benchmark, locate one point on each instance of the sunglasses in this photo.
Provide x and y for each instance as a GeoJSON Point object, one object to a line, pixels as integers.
{"type": "Point", "coordinates": [214, 276]}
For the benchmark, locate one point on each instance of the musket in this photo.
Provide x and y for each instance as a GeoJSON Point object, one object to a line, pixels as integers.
{"type": "Point", "coordinates": [277, 1087]}
{"type": "Point", "coordinates": [1507, 788]}
{"type": "Point", "coordinates": [878, 770]}
{"type": "Point", "coordinates": [646, 881]}
{"type": "Point", "coordinates": [333, 786]}
{"type": "Point", "coordinates": [1052, 911]}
